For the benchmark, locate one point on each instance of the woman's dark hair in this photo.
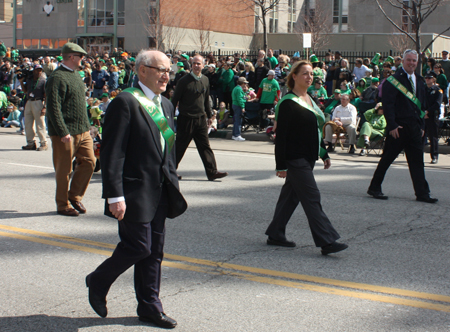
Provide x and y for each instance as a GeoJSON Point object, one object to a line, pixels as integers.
{"type": "Point", "coordinates": [432, 61]}
{"type": "Point", "coordinates": [438, 65]}
{"type": "Point", "coordinates": [294, 70]}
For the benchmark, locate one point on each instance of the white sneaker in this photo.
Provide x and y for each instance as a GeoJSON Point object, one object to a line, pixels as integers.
{"type": "Point", "coordinates": [239, 138]}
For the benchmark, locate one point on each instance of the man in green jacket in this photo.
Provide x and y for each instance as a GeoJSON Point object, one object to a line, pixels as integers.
{"type": "Point", "coordinates": [238, 97]}
{"type": "Point", "coordinates": [227, 82]}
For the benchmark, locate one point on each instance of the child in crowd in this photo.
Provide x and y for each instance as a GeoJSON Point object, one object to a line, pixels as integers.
{"type": "Point", "coordinates": [223, 116]}
{"type": "Point", "coordinates": [213, 126]}
{"type": "Point", "coordinates": [94, 132]}
{"type": "Point", "coordinates": [250, 93]}
{"type": "Point", "coordinates": [13, 117]}
{"type": "Point", "coordinates": [368, 77]}
{"type": "Point", "coordinates": [96, 112]}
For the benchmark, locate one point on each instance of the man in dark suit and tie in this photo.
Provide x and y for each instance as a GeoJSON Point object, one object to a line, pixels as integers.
{"type": "Point", "coordinates": [404, 106]}
{"type": "Point", "coordinates": [140, 186]}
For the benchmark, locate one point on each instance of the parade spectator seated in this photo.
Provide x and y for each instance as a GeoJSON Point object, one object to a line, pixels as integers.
{"type": "Point", "coordinates": [223, 116]}
{"type": "Point", "coordinates": [374, 128]}
{"type": "Point", "coordinates": [13, 117]}
{"type": "Point", "coordinates": [370, 94]}
{"type": "Point", "coordinates": [331, 103]}
{"type": "Point", "coordinates": [354, 98]}
{"type": "Point", "coordinates": [368, 78]}
{"type": "Point", "coordinates": [317, 91]}
{"type": "Point", "coordinates": [343, 121]}
{"type": "Point", "coordinates": [213, 126]}
{"type": "Point", "coordinates": [361, 86]}
{"type": "Point", "coordinates": [345, 88]}
{"type": "Point", "coordinates": [14, 98]}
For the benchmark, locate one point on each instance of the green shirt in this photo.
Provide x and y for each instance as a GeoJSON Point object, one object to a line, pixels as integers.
{"type": "Point", "coordinates": [321, 92]}
{"type": "Point", "coordinates": [273, 62]}
{"type": "Point", "coordinates": [269, 90]}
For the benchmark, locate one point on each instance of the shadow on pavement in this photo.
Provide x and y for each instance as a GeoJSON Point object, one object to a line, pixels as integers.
{"type": "Point", "coordinates": [12, 214]}
{"type": "Point", "coordinates": [47, 323]}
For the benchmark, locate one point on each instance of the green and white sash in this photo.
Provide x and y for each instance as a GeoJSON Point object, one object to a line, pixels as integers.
{"type": "Point", "coordinates": [408, 94]}
{"type": "Point", "coordinates": [156, 115]}
{"type": "Point", "coordinates": [315, 110]}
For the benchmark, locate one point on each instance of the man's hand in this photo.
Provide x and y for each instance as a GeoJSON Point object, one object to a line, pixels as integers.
{"type": "Point", "coordinates": [327, 164]}
{"type": "Point", "coordinates": [281, 174]}
{"type": "Point", "coordinates": [337, 122]}
{"type": "Point", "coordinates": [43, 111]}
{"type": "Point", "coordinates": [66, 139]}
{"type": "Point", "coordinates": [118, 209]}
{"type": "Point", "coordinates": [394, 133]}
{"type": "Point", "coordinates": [243, 110]}
{"type": "Point", "coordinates": [209, 122]}
{"type": "Point", "coordinates": [426, 115]}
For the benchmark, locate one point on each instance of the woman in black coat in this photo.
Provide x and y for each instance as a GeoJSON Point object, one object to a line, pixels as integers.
{"type": "Point", "coordinates": [298, 145]}
{"type": "Point", "coordinates": [249, 74]}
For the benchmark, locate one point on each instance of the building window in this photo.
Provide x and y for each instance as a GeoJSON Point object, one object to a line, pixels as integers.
{"type": "Point", "coordinates": [292, 15]}
{"type": "Point", "coordinates": [151, 42]}
{"type": "Point", "coordinates": [405, 18]}
{"type": "Point", "coordinates": [337, 14]}
{"type": "Point", "coordinates": [121, 12]}
{"type": "Point", "coordinates": [257, 19]}
{"type": "Point", "coordinates": [101, 13]}
{"type": "Point", "coordinates": [81, 7]}
{"type": "Point", "coordinates": [19, 11]}
{"type": "Point", "coordinates": [273, 20]}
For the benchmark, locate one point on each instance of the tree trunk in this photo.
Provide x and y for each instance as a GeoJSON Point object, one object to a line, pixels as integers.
{"type": "Point", "coordinates": [264, 31]}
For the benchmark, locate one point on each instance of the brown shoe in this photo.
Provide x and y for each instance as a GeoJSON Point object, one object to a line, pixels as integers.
{"type": "Point", "coordinates": [78, 206]}
{"type": "Point", "coordinates": [69, 212]}
{"type": "Point", "coordinates": [217, 175]}
{"type": "Point", "coordinates": [43, 147]}
{"type": "Point", "coordinates": [29, 147]}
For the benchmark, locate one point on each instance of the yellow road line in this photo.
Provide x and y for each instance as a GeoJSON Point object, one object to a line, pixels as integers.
{"type": "Point", "coordinates": [261, 279]}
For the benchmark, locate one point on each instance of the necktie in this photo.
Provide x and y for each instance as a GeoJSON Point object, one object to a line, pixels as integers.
{"type": "Point", "coordinates": [158, 106]}
{"type": "Point", "coordinates": [412, 84]}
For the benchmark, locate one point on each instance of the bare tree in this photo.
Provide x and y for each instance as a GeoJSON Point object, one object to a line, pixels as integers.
{"type": "Point", "coordinates": [416, 11]}
{"type": "Point", "coordinates": [260, 8]}
{"type": "Point", "coordinates": [202, 33]}
{"type": "Point", "coordinates": [400, 42]}
{"type": "Point", "coordinates": [318, 23]}
{"type": "Point", "coordinates": [164, 22]}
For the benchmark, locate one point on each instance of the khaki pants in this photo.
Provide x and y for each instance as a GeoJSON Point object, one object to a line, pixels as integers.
{"type": "Point", "coordinates": [82, 148]}
{"type": "Point", "coordinates": [331, 128]}
{"type": "Point", "coordinates": [32, 114]}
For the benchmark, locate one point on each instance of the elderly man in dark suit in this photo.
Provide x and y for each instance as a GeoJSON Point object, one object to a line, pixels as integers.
{"type": "Point", "coordinates": [404, 106]}
{"type": "Point", "coordinates": [140, 186]}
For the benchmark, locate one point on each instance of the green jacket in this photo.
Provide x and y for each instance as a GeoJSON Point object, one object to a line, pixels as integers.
{"type": "Point", "coordinates": [238, 96]}
{"type": "Point", "coordinates": [227, 80]}
{"type": "Point", "coordinates": [2, 50]}
{"type": "Point", "coordinates": [378, 122]}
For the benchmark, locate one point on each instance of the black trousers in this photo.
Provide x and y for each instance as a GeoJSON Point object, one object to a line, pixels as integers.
{"type": "Point", "coordinates": [140, 245]}
{"type": "Point", "coordinates": [197, 129]}
{"type": "Point", "coordinates": [432, 130]}
{"type": "Point", "coordinates": [411, 141]}
{"type": "Point", "coordinates": [300, 186]}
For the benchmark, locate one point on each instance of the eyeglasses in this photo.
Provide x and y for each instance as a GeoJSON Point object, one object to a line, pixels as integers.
{"type": "Point", "coordinates": [161, 70]}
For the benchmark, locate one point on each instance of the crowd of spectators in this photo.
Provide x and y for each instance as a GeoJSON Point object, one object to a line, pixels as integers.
{"type": "Point", "coordinates": [107, 75]}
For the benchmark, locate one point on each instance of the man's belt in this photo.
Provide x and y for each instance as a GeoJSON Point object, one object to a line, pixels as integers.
{"type": "Point", "coordinates": [408, 94]}
{"type": "Point", "coordinates": [34, 99]}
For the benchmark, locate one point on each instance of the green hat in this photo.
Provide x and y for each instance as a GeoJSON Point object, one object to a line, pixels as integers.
{"type": "Point", "coordinates": [102, 60]}
{"type": "Point", "coordinates": [104, 95]}
{"type": "Point", "coordinates": [185, 56]}
{"type": "Point", "coordinates": [314, 59]}
{"type": "Point", "coordinates": [180, 64]}
{"type": "Point", "coordinates": [132, 59]}
{"type": "Point", "coordinates": [59, 58]}
{"type": "Point", "coordinates": [389, 59]}
{"type": "Point", "coordinates": [337, 91]}
{"type": "Point", "coordinates": [375, 80]}
{"type": "Point", "coordinates": [72, 48]}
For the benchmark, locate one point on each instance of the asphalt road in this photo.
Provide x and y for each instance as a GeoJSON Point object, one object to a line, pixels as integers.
{"type": "Point", "coordinates": [218, 273]}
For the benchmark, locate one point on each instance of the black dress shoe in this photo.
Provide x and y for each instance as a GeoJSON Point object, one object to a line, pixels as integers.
{"type": "Point", "coordinates": [97, 302]}
{"type": "Point", "coordinates": [427, 199]}
{"type": "Point", "coordinates": [78, 206]}
{"type": "Point", "coordinates": [217, 175]}
{"type": "Point", "coordinates": [377, 194]}
{"type": "Point", "coordinates": [333, 247]}
{"type": "Point", "coordinates": [179, 176]}
{"type": "Point", "coordinates": [281, 243]}
{"type": "Point", "coordinates": [161, 320]}
{"type": "Point", "coordinates": [352, 149]}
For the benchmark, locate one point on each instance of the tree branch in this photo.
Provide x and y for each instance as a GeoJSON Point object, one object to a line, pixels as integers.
{"type": "Point", "coordinates": [433, 40]}
{"type": "Point", "coordinates": [393, 23]}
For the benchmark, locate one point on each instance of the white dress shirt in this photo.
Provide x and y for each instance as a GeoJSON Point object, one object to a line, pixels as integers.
{"type": "Point", "coordinates": [347, 114]}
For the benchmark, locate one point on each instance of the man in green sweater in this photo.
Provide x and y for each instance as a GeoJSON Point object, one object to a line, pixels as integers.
{"type": "Point", "coordinates": [238, 98]}
{"type": "Point", "coordinates": [68, 128]}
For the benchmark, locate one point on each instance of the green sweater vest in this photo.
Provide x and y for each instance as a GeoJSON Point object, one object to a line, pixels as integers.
{"type": "Point", "coordinates": [66, 103]}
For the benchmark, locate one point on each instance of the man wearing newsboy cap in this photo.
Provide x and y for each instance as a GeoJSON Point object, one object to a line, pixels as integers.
{"type": "Point", "coordinates": [68, 128]}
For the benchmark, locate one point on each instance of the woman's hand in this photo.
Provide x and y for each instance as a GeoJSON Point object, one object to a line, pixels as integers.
{"type": "Point", "coordinates": [327, 164]}
{"type": "Point", "coordinates": [281, 174]}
